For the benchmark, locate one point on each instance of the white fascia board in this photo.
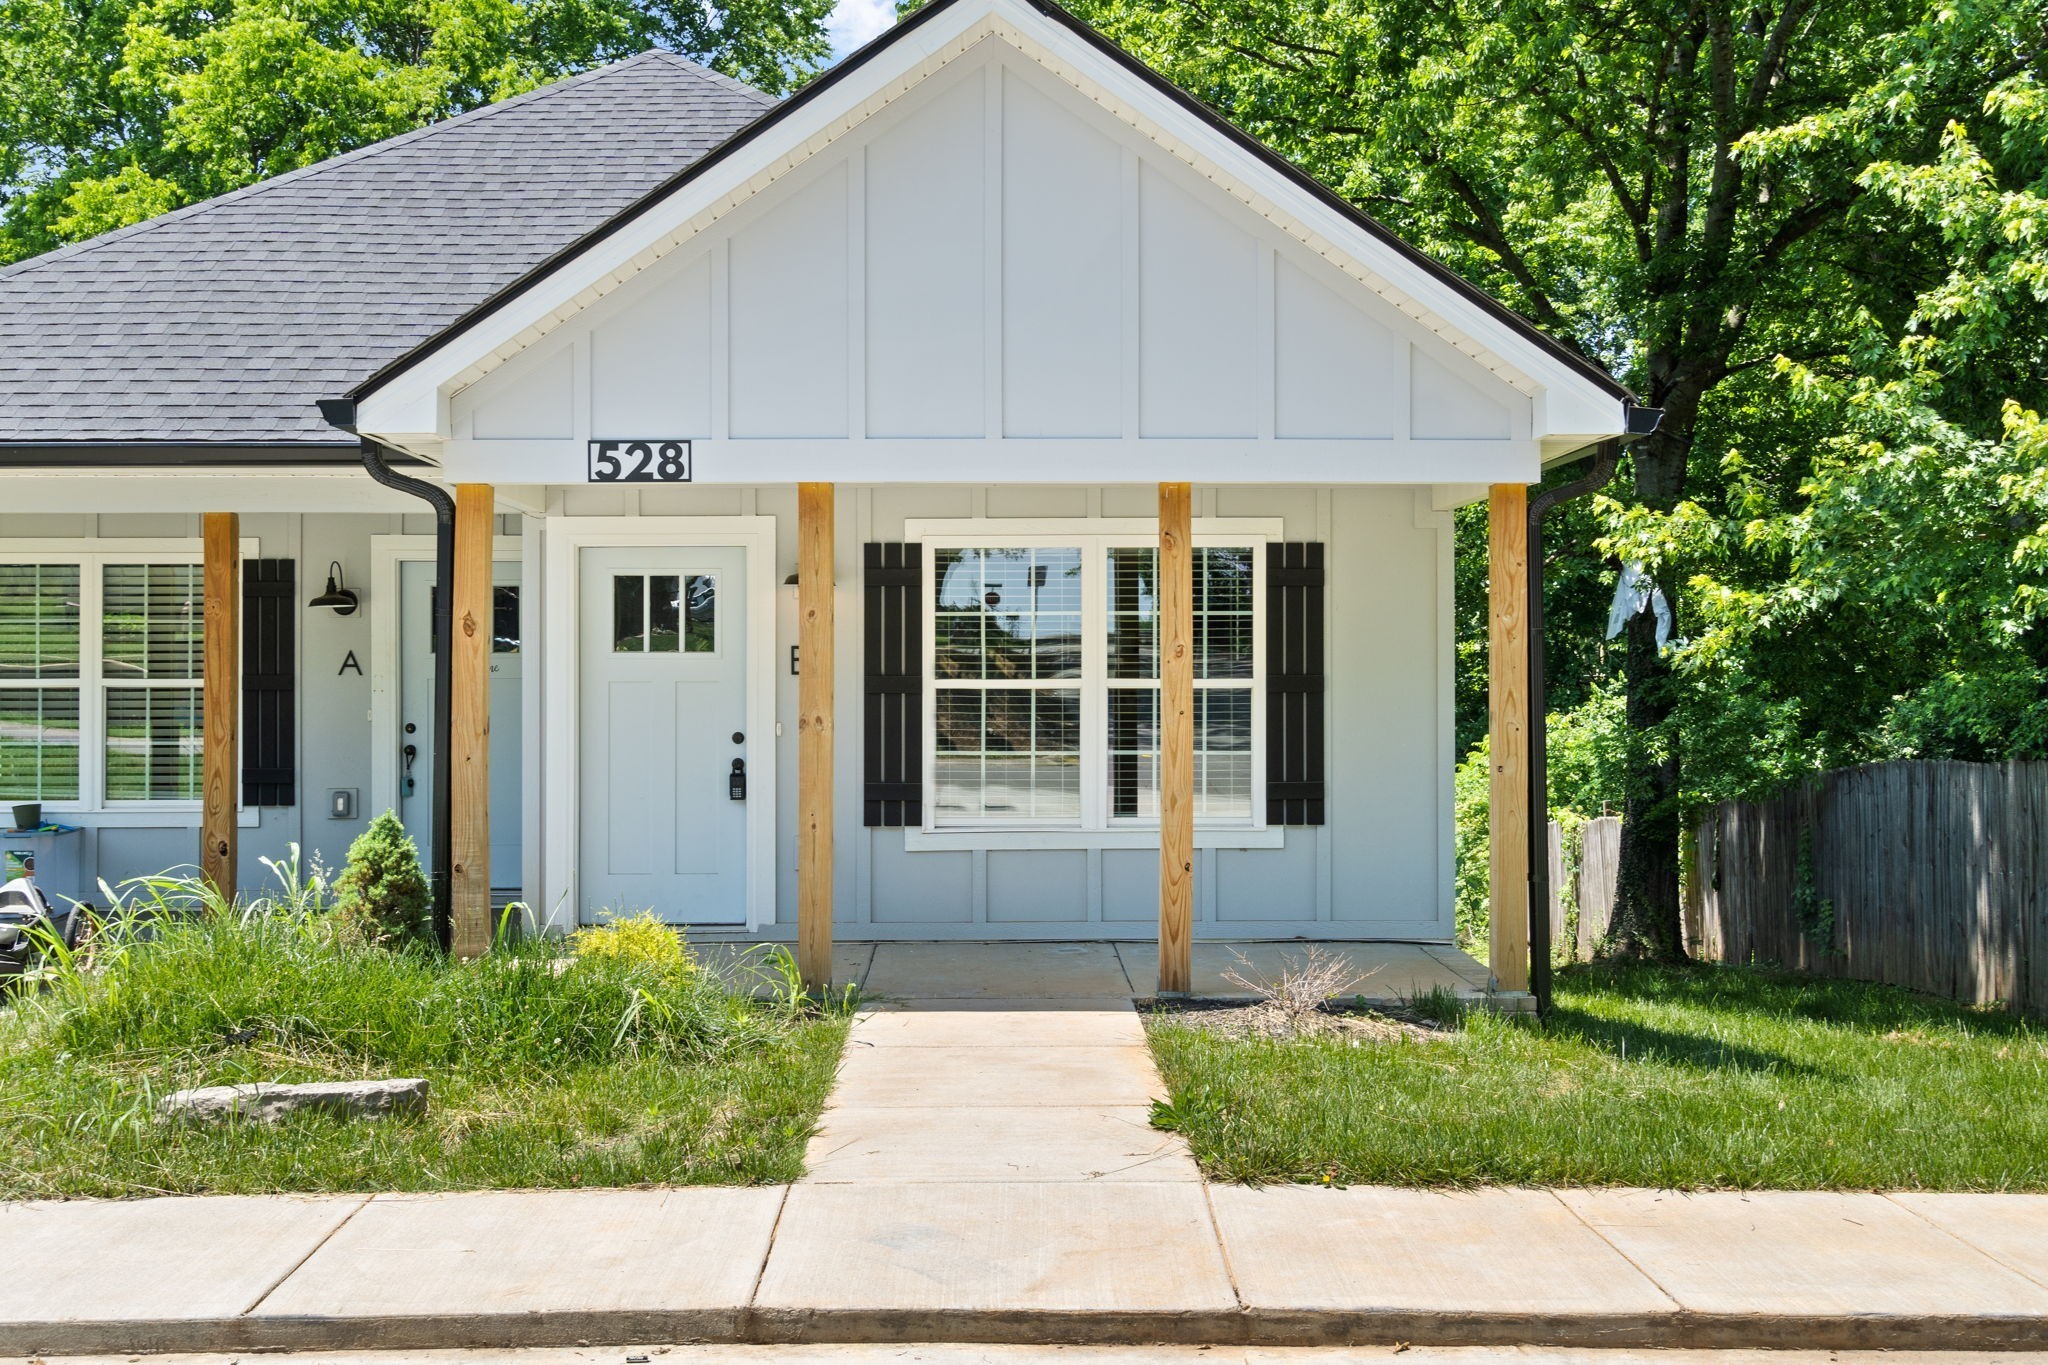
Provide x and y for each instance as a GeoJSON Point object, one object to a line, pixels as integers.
{"type": "Point", "coordinates": [416, 401]}
{"type": "Point", "coordinates": [187, 491]}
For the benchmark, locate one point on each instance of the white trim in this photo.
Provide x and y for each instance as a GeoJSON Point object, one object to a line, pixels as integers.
{"type": "Point", "coordinates": [957, 839]}
{"type": "Point", "coordinates": [386, 554]}
{"type": "Point", "coordinates": [561, 673]}
{"type": "Point", "coordinates": [91, 554]}
{"type": "Point", "coordinates": [1096, 828]}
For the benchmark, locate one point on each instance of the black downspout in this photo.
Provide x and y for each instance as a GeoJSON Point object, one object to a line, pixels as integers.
{"type": "Point", "coordinates": [1606, 456]}
{"type": "Point", "coordinates": [341, 412]}
{"type": "Point", "coordinates": [441, 875]}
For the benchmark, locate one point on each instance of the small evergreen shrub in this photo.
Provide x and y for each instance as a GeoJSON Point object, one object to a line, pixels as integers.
{"type": "Point", "coordinates": [382, 895]}
{"type": "Point", "coordinates": [642, 940]}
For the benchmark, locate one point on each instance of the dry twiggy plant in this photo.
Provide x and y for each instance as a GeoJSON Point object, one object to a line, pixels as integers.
{"type": "Point", "coordinates": [1303, 984]}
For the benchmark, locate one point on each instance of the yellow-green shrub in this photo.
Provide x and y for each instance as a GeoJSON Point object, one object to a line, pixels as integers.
{"type": "Point", "coordinates": [639, 940]}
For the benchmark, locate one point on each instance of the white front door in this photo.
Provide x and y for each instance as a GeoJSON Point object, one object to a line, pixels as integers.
{"type": "Point", "coordinates": [416, 713]}
{"type": "Point", "coordinates": [664, 701]}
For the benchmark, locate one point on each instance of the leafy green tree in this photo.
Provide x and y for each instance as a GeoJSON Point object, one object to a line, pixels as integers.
{"type": "Point", "coordinates": [1922, 520]}
{"type": "Point", "coordinates": [112, 111]}
{"type": "Point", "coordinates": [1598, 163]}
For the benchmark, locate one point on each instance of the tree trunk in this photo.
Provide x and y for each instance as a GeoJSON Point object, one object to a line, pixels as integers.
{"type": "Point", "coordinates": [1647, 922]}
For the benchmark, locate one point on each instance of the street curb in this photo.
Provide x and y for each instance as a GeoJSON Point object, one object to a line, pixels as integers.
{"type": "Point", "coordinates": [1220, 1327]}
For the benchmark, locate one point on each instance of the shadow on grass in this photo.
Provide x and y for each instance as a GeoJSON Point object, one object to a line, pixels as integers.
{"type": "Point", "coordinates": [1630, 1042]}
{"type": "Point", "coordinates": [1762, 991]}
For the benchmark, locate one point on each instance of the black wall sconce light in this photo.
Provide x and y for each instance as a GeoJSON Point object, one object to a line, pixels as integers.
{"type": "Point", "coordinates": [343, 600]}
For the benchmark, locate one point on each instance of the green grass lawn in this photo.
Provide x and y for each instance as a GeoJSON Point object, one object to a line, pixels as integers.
{"type": "Point", "coordinates": [1688, 1078]}
{"type": "Point", "coordinates": [546, 1070]}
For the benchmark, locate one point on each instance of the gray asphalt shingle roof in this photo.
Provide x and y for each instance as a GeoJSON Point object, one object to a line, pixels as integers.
{"type": "Point", "coordinates": [225, 321]}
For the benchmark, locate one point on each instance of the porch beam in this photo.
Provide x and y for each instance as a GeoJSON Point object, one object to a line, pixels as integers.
{"type": "Point", "coordinates": [469, 665]}
{"type": "Point", "coordinates": [1507, 654]}
{"type": "Point", "coordinates": [220, 714]}
{"type": "Point", "coordinates": [814, 577]}
{"type": "Point", "coordinates": [1176, 740]}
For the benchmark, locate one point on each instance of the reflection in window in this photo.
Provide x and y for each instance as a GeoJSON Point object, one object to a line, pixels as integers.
{"type": "Point", "coordinates": [39, 682]}
{"type": "Point", "coordinates": [1223, 622]}
{"type": "Point", "coordinates": [1008, 614]}
{"type": "Point", "coordinates": [152, 642]}
{"type": "Point", "coordinates": [665, 614]}
{"type": "Point", "coordinates": [153, 743]}
{"type": "Point", "coordinates": [1006, 628]}
{"type": "Point", "coordinates": [1009, 753]}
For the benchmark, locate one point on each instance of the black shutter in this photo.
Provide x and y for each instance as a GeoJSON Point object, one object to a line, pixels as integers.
{"type": "Point", "coordinates": [1294, 684]}
{"type": "Point", "coordinates": [269, 667]}
{"type": "Point", "coordinates": [892, 740]}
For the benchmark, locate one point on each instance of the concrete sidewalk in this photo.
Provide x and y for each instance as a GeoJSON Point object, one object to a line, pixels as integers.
{"type": "Point", "coordinates": [1102, 1262]}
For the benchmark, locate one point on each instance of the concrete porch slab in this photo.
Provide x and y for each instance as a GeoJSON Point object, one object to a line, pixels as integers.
{"type": "Point", "coordinates": [995, 1144]}
{"type": "Point", "coordinates": [997, 971]}
{"type": "Point", "coordinates": [893, 1077]}
{"type": "Point", "coordinates": [155, 1260]}
{"type": "Point", "coordinates": [1804, 1256]}
{"type": "Point", "coordinates": [1044, 1263]}
{"type": "Point", "coordinates": [745, 965]}
{"type": "Point", "coordinates": [1001, 1023]}
{"type": "Point", "coordinates": [1387, 972]}
{"type": "Point", "coordinates": [493, 1268]}
{"type": "Point", "coordinates": [1313, 1264]}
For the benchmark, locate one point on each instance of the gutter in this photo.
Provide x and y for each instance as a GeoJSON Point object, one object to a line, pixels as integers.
{"type": "Point", "coordinates": [341, 412]}
{"type": "Point", "coordinates": [1640, 422]}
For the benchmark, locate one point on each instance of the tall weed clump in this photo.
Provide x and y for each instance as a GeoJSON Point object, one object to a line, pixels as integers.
{"type": "Point", "coordinates": [382, 895]}
{"type": "Point", "coordinates": [184, 973]}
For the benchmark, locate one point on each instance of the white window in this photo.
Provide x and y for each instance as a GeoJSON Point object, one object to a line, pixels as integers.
{"type": "Point", "coordinates": [101, 676]}
{"type": "Point", "coordinates": [1043, 679]}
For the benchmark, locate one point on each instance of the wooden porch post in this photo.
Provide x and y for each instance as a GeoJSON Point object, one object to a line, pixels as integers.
{"type": "Point", "coordinates": [814, 574]}
{"type": "Point", "coordinates": [1507, 644]}
{"type": "Point", "coordinates": [220, 716]}
{"type": "Point", "coordinates": [469, 665]}
{"type": "Point", "coordinates": [1176, 741]}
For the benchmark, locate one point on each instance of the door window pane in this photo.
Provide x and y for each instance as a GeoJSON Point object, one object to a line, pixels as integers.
{"type": "Point", "coordinates": [665, 614]}
{"type": "Point", "coordinates": [629, 614]}
{"type": "Point", "coordinates": [700, 614]}
{"type": "Point", "coordinates": [504, 619]}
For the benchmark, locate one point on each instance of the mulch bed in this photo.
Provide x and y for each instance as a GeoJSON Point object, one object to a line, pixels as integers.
{"type": "Point", "coordinates": [1270, 1019]}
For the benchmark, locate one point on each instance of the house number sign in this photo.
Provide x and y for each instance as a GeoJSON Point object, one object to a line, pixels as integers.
{"type": "Point", "coordinates": [639, 462]}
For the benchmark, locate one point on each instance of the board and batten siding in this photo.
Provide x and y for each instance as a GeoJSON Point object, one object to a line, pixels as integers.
{"type": "Point", "coordinates": [994, 270]}
{"type": "Point", "coordinates": [331, 696]}
{"type": "Point", "coordinates": [1380, 868]}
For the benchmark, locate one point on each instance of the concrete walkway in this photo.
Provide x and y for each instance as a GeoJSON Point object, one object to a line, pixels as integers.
{"type": "Point", "coordinates": [986, 1173]}
{"type": "Point", "coordinates": [944, 1092]}
{"type": "Point", "coordinates": [1095, 1262]}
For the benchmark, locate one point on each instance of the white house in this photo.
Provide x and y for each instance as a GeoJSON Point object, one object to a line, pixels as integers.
{"type": "Point", "coordinates": [823, 454]}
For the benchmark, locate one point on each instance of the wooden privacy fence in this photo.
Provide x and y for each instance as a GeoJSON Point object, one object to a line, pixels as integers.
{"type": "Point", "coordinates": [1931, 875]}
{"type": "Point", "coordinates": [1590, 890]}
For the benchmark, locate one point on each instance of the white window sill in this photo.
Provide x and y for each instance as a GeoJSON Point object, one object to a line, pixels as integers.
{"type": "Point", "coordinates": [143, 815]}
{"type": "Point", "coordinates": [960, 840]}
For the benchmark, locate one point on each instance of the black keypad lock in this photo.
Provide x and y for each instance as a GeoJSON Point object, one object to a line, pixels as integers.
{"type": "Point", "coordinates": [736, 780]}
